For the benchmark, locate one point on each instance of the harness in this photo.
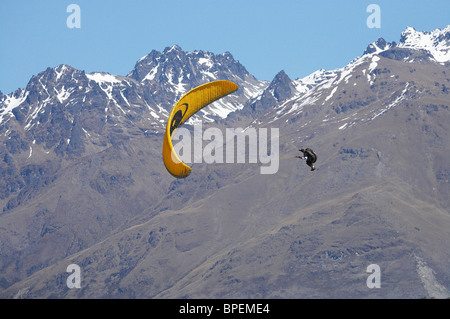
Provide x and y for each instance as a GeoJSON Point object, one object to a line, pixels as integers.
{"type": "Point", "coordinates": [311, 155]}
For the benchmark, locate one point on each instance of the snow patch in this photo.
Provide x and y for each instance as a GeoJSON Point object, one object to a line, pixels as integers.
{"type": "Point", "coordinates": [331, 94]}
{"type": "Point", "coordinates": [152, 74]}
{"type": "Point", "coordinates": [63, 95]}
{"type": "Point", "coordinates": [204, 61]}
{"type": "Point", "coordinates": [374, 63]}
{"type": "Point", "coordinates": [11, 103]}
{"type": "Point", "coordinates": [154, 114]}
{"type": "Point", "coordinates": [400, 98]}
{"type": "Point", "coordinates": [101, 77]}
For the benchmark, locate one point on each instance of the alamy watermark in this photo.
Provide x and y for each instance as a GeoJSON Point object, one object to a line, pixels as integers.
{"type": "Point", "coordinates": [236, 145]}
{"type": "Point", "coordinates": [374, 280]}
{"type": "Point", "coordinates": [374, 19]}
{"type": "Point", "coordinates": [74, 279]}
{"type": "Point", "coordinates": [74, 19]}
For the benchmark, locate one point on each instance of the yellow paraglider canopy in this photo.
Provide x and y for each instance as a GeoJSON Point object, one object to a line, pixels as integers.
{"type": "Point", "coordinates": [189, 104]}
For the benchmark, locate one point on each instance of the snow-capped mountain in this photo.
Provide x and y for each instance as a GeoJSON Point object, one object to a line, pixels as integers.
{"type": "Point", "coordinates": [436, 42]}
{"type": "Point", "coordinates": [160, 78]}
{"type": "Point", "coordinates": [379, 46]}
{"type": "Point", "coordinates": [280, 89]}
{"type": "Point", "coordinates": [173, 72]}
{"type": "Point", "coordinates": [319, 87]}
{"type": "Point", "coordinates": [62, 106]}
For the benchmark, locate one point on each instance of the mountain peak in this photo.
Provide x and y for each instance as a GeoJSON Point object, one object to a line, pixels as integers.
{"type": "Point", "coordinates": [178, 67]}
{"type": "Point", "coordinates": [409, 29]}
{"type": "Point", "coordinates": [280, 89]}
{"type": "Point", "coordinates": [436, 42]}
{"type": "Point", "coordinates": [281, 76]}
{"type": "Point", "coordinates": [379, 46]}
{"type": "Point", "coordinates": [281, 80]}
{"type": "Point", "coordinates": [62, 73]}
{"type": "Point", "coordinates": [173, 48]}
{"type": "Point", "coordinates": [281, 86]}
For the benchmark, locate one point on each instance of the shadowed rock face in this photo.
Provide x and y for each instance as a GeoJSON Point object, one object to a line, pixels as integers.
{"type": "Point", "coordinates": [82, 181]}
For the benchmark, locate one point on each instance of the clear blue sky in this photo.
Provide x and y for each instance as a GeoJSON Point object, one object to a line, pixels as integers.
{"type": "Point", "coordinates": [298, 36]}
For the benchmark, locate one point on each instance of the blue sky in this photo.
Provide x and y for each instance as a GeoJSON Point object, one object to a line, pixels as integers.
{"type": "Point", "coordinates": [298, 36]}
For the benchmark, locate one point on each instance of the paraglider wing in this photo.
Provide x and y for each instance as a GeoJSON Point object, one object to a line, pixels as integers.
{"type": "Point", "coordinates": [189, 104]}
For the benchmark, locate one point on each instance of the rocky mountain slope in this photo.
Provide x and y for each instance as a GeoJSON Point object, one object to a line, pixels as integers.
{"type": "Point", "coordinates": [83, 181]}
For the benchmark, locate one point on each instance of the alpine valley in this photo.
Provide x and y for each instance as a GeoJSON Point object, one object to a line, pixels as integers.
{"type": "Point", "coordinates": [83, 181]}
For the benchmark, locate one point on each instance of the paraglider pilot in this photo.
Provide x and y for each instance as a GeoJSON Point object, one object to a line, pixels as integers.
{"type": "Point", "coordinates": [310, 156]}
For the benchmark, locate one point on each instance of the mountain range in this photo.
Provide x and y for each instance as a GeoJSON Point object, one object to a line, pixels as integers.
{"type": "Point", "coordinates": [83, 182]}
